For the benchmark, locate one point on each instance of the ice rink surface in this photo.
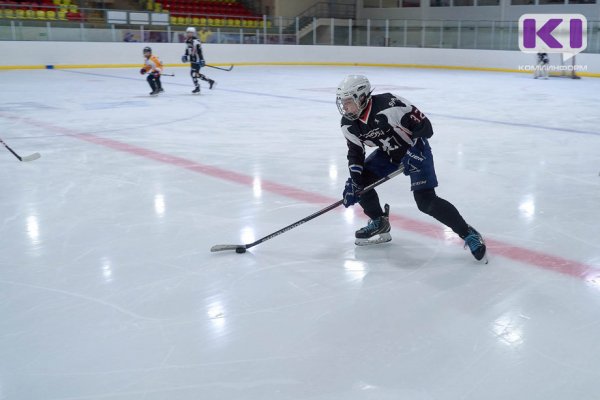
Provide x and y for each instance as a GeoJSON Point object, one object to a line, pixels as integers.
{"type": "Point", "coordinates": [108, 289]}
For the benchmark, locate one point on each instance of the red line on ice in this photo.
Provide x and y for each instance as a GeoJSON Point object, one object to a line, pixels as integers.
{"type": "Point", "coordinates": [496, 247]}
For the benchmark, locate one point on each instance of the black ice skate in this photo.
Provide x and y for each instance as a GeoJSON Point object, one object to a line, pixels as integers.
{"type": "Point", "coordinates": [160, 90]}
{"type": "Point", "coordinates": [211, 83]}
{"type": "Point", "coordinates": [476, 244]}
{"type": "Point", "coordinates": [155, 92]}
{"type": "Point", "coordinates": [196, 90]}
{"type": "Point", "coordinates": [377, 230]}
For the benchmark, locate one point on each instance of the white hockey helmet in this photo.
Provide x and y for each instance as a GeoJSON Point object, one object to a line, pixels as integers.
{"type": "Point", "coordinates": [191, 29]}
{"type": "Point", "coordinates": [353, 95]}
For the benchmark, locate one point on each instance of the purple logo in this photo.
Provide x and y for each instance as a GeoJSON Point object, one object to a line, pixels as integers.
{"type": "Point", "coordinates": [553, 33]}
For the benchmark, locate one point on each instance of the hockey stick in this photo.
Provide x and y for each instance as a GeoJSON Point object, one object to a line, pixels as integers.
{"type": "Point", "coordinates": [241, 248]}
{"type": "Point", "coordinates": [167, 74]}
{"type": "Point", "coordinates": [222, 69]}
{"type": "Point", "coordinates": [30, 157]}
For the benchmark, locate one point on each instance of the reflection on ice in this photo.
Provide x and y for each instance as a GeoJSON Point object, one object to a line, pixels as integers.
{"type": "Point", "coordinates": [159, 205]}
{"type": "Point", "coordinates": [333, 172]}
{"type": "Point", "coordinates": [355, 270]}
{"type": "Point", "coordinates": [247, 235]}
{"type": "Point", "coordinates": [527, 207]}
{"type": "Point", "coordinates": [106, 270]}
{"type": "Point", "coordinates": [33, 229]}
{"type": "Point", "coordinates": [508, 330]}
{"type": "Point", "coordinates": [256, 187]}
{"type": "Point", "coordinates": [216, 313]}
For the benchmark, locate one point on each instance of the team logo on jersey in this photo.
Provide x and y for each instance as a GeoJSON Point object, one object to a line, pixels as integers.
{"type": "Point", "coordinates": [373, 133]}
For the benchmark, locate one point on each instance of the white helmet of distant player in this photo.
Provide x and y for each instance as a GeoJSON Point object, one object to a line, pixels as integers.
{"type": "Point", "coordinates": [353, 95]}
{"type": "Point", "coordinates": [191, 30]}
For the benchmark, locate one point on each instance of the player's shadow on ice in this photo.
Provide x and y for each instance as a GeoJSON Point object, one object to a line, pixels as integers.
{"type": "Point", "coordinates": [410, 255]}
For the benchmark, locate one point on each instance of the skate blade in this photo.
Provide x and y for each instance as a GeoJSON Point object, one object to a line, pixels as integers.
{"type": "Point", "coordinates": [381, 238]}
{"type": "Point", "coordinates": [483, 260]}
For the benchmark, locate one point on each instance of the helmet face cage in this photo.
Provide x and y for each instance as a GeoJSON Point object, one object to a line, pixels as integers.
{"type": "Point", "coordinates": [147, 51]}
{"type": "Point", "coordinates": [356, 89]}
{"type": "Point", "coordinates": [191, 30]}
{"type": "Point", "coordinates": [360, 102]}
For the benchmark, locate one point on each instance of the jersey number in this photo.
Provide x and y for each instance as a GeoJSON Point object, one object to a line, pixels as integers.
{"type": "Point", "coordinates": [417, 116]}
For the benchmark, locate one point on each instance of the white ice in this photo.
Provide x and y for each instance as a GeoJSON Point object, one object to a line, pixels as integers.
{"type": "Point", "coordinates": [108, 289]}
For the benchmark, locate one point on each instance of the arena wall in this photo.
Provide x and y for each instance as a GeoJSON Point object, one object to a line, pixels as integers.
{"type": "Point", "coordinates": [33, 54]}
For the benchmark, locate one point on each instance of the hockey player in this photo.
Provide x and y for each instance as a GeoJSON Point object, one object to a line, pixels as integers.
{"type": "Point", "coordinates": [400, 132]}
{"type": "Point", "coordinates": [193, 54]}
{"type": "Point", "coordinates": [153, 67]}
{"type": "Point", "coordinates": [541, 69]}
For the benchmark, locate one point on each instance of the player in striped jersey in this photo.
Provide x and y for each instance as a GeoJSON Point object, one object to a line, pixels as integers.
{"type": "Point", "coordinates": [400, 132]}
{"type": "Point", "coordinates": [193, 55]}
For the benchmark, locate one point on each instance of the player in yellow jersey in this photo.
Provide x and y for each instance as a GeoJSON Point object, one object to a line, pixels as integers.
{"type": "Point", "coordinates": [153, 67]}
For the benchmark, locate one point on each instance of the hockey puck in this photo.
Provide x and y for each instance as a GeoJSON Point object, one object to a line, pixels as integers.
{"type": "Point", "coordinates": [240, 250]}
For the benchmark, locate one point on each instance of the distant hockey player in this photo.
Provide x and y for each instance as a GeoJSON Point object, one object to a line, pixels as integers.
{"type": "Point", "coordinates": [400, 132]}
{"type": "Point", "coordinates": [542, 67]}
{"type": "Point", "coordinates": [153, 67]}
{"type": "Point", "coordinates": [193, 54]}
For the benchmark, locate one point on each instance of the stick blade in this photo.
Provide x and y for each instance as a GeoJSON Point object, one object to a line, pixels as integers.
{"type": "Point", "coordinates": [224, 247]}
{"type": "Point", "coordinates": [31, 157]}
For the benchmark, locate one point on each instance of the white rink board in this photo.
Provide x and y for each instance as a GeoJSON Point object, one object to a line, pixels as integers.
{"type": "Point", "coordinates": [85, 53]}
